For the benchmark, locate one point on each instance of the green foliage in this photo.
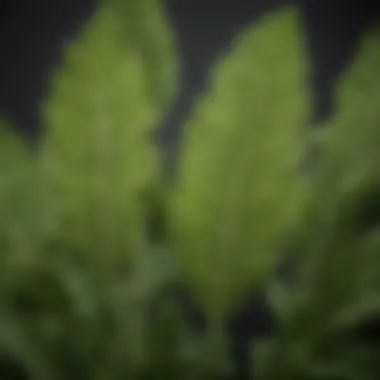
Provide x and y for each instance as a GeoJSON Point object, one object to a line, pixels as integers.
{"type": "Point", "coordinates": [24, 220]}
{"type": "Point", "coordinates": [76, 305]}
{"type": "Point", "coordinates": [146, 29]}
{"type": "Point", "coordinates": [85, 270]}
{"type": "Point", "coordinates": [338, 290]}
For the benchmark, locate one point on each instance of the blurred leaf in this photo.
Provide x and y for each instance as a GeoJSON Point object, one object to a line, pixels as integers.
{"type": "Point", "coordinates": [348, 168]}
{"type": "Point", "coordinates": [97, 153]}
{"type": "Point", "coordinates": [239, 190]}
{"type": "Point", "coordinates": [25, 215]}
{"type": "Point", "coordinates": [285, 300]}
{"type": "Point", "coordinates": [338, 251]}
{"type": "Point", "coordinates": [347, 176]}
{"type": "Point", "coordinates": [148, 28]}
{"type": "Point", "coordinates": [365, 298]}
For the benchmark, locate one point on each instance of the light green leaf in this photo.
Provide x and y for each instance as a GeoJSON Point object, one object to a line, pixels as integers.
{"type": "Point", "coordinates": [348, 173]}
{"type": "Point", "coordinates": [147, 27]}
{"type": "Point", "coordinates": [350, 163]}
{"type": "Point", "coordinates": [238, 188]}
{"type": "Point", "coordinates": [339, 257]}
{"type": "Point", "coordinates": [97, 152]}
{"type": "Point", "coordinates": [24, 214]}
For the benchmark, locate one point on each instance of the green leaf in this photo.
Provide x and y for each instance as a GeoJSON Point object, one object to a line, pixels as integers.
{"type": "Point", "coordinates": [364, 301]}
{"type": "Point", "coordinates": [358, 93]}
{"type": "Point", "coordinates": [97, 153]}
{"type": "Point", "coordinates": [339, 257]}
{"type": "Point", "coordinates": [285, 300]}
{"type": "Point", "coordinates": [24, 215]}
{"type": "Point", "coordinates": [238, 188]}
{"type": "Point", "coordinates": [148, 28]}
{"type": "Point", "coordinates": [350, 161]}
{"type": "Point", "coordinates": [348, 173]}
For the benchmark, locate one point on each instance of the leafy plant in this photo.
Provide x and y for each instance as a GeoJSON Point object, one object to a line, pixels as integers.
{"type": "Point", "coordinates": [85, 284]}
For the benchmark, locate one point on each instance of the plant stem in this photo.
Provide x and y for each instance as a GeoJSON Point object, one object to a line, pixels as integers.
{"type": "Point", "coordinates": [216, 344]}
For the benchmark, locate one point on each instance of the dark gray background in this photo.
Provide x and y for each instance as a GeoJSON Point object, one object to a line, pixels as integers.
{"type": "Point", "coordinates": [32, 33]}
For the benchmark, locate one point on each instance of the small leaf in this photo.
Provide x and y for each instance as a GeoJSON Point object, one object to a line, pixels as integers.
{"type": "Point", "coordinates": [350, 161]}
{"type": "Point", "coordinates": [285, 300]}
